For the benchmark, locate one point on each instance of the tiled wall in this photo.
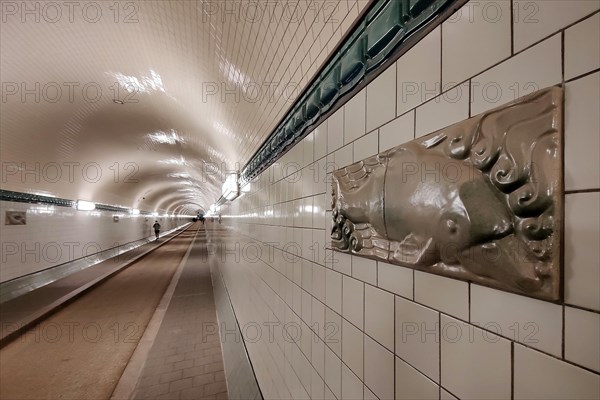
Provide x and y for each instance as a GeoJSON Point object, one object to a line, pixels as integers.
{"type": "Point", "coordinates": [373, 330]}
{"type": "Point", "coordinates": [54, 235]}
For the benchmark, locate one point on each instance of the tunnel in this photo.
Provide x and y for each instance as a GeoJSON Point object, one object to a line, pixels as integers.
{"type": "Point", "coordinates": [300, 199]}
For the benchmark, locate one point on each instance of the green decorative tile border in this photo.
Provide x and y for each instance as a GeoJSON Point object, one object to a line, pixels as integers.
{"type": "Point", "coordinates": [385, 31]}
{"type": "Point", "coordinates": [19, 197]}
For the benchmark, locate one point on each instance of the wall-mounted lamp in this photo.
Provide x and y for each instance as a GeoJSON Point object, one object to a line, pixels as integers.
{"type": "Point", "coordinates": [231, 187]}
{"type": "Point", "coordinates": [83, 205]}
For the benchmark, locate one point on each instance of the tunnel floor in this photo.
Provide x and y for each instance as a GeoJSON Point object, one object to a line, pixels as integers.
{"type": "Point", "coordinates": [82, 350]}
{"type": "Point", "coordinates": [186, 361]}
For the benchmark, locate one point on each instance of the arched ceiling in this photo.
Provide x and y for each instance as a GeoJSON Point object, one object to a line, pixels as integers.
{"type": "Point", "coordinates": [147, 104]}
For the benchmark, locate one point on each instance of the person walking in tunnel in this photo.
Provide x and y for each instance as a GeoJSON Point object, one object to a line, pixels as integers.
{"type": "Point", "coordinates": [156, 227]}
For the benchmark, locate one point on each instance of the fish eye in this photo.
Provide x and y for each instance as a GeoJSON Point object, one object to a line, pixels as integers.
{"type": "Point", "coordinates": [451, 225]}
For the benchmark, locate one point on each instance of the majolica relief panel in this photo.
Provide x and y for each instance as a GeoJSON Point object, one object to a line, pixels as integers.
{"type": "Point", "coordinates": [480, 200]}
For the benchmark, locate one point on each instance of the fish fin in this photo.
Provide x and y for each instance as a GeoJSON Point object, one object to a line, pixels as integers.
{"type": "Point", "coordinates": [355, 175]}
{"type": "Point", "coordinates": [413, 250]}
{"type": "Point", "coordinates": [434, 141]}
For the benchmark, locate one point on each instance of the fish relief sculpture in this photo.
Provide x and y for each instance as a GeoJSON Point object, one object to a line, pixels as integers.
{"type": "Point", "coordinates": [480, 200]}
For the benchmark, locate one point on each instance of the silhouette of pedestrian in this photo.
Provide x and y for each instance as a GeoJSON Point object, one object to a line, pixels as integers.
{"type": "Point", "coordinates": [156, 227]}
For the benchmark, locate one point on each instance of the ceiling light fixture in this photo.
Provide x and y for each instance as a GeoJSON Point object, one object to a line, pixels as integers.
{"type": "Point", "coordinates": [83, 205]}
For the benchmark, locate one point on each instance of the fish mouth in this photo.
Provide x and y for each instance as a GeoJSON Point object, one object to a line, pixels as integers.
{"type": "Point", "coordinates": [507, 260]}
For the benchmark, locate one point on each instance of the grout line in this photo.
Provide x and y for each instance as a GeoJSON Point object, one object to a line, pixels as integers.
{"type": "Point", "coordinates": [563, 330]}
{"type": "Point", "coordinates": [469, 299]}
{"type": "Point", "coordinates": [512, 370]}
{"type": "Point", "coordinates": [450, 316]}
{"type": "Point", "coordinates": [581, 76]}
{"type": "Point", "coordinates": [470, 99]}
{"type": "Point", "coordinates": [441, 56]}
{"type": "Point", "coordinates": [395, 348]}
{"type": "Point", "coordinates": [562, 57]}
{"type": "Point", "coordinates": [582, 191]}
{"type": "Point", "coordinates": [512, 28]}
{"type": "Point", "coordinates": [440, 350]}
{"type": "Point", "coordinates": [414, 122]}
{"type": "Point", "coordinates": [582, 308]}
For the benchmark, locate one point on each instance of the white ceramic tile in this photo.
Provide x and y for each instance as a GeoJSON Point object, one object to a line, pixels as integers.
{"type": "Point", "coordinates": [475, 364]}
{"type": "Point", "coordinates": [320, 149]}
{"type": "Point", "coordinates": [318, 283]}
{"type": "Point", "coordinates": [342, 262]}
{"type": "Point", "coordinates": [395, 278]}
{"type": "Point", "coordinates": [317, 386]}
{"type": "Point", "coordinates": [417, 337]}
{"type": "Point", "coordinates": [318, 316]}
{"type": "Point", "coordinates": [419, 81]}
{"type": "Point", "coordinates": [297, 299]}
{"type": "Point", "coordinates": [307, 208]}
{"type": "Point", "coordinates": [444, 395]}
{"type": "Point", "coordinates": [381, 99]}
{"type": "Point", "coordinates": [355, 117]}
{"type": "Point", "coordinates": [353, 300]}
{"type": "Point", "coordinates": [305, 345]}
{"type": "Point", "coordinates": [364, 269]}
{"type": "Point", "coordinates": [352, 387]}
{"type": "Point", "coordinates": [320, 205]}
{"type": "Point", "coordinates": [582, 337]}
{"type": "Point", "coordinates": [333, 290]}
{"type": "Point", "coordinates": [352, 347]}
{"type": "Point", "coordinates": [537, 19]}
{"type": "Point", "coordinates": [306, 308]}
{"type": "Point", "coordinates": [318, 356]}
{"type": "Point", "coordinates": [332, 331]}
{"type": "Point", "coordinates": [397, 132]}
{"type": "Point", "coordinates": [447, 295]}
{"type": "Point", "coordinates": [582, 53]}
{"type": "Point", "coordinates": [309, 149]}
{"type": "Point", "coordinates": [474, 38]}
{"type": "Point", "coordinates": [448, 108]}
{"type": "Point", "coordinates": [344, 156]}
{"type": "Point", "coordinates": [582, 235]}
{"type": "Point", "coordinates": [368, 394]}
{"type": "Point", "coordinates": [320, 184]}
{"type": "Point", "coordinates": [532, 70]}
{"type": "Point", "coordinates": [330, 257]}
{"type": "Point", "coordinates": [582, 133]}
{"type": "Point", "coordinates": [329, 394]}
{"type": "Point", "coordinates": [366, 146]}
{"type": "Point", "coordinates": [63, 234]}
{"type": "Point", "coordinates": [412, 385]}
{"type": "Point", "coordinates": [335, 131]}
{"type": "Point", "coordinates": [333, 372]}
{"type": "Point", "coordinates": [532, 322]}
{"type": "Point", "coordinates": [379, 369]}
{"type": "Point", "coordinates": [539, 376]}
{"type": "Point", "coordinates": [379, 316]}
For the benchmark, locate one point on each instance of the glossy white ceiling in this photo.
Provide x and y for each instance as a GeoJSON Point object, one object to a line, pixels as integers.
{"type": "Point", "coordinates": [202, 85]}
